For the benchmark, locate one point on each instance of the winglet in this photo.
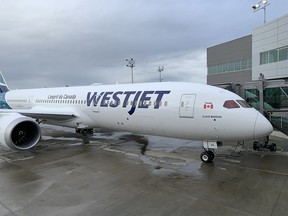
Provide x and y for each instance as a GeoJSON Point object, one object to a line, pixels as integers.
{"type": "Point", "coordinates": [3, 84]}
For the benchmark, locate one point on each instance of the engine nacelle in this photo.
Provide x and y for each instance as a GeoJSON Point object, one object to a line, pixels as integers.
{"type": "Point", "coordinates": [18, 132]}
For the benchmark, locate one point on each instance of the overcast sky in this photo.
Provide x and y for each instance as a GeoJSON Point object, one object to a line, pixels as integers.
{"type": "Point", "coordinates": [47, 43]}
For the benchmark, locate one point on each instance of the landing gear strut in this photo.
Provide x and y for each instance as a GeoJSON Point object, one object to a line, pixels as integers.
{"type": "Point", "coordinates": [85, 134]}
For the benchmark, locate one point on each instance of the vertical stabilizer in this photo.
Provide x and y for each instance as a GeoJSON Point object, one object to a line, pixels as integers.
{"type": "Point", "coordinates": [3, 84]}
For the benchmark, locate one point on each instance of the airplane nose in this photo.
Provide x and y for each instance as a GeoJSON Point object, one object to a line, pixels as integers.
{"type": "Point", "coordinates": [262, 127]}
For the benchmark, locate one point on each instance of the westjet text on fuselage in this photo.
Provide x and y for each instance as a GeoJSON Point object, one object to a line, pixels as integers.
{"type": "Point", "coordinates": [100, 99]}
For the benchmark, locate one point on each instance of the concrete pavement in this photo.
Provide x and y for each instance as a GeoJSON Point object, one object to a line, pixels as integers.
{"type": "Point", "coordinates": [125, 174]}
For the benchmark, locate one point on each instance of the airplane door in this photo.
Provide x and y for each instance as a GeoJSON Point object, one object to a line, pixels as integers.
{"type": "Point", "coordinates": [187, 106]}
{"type": "Point", "coordinates": [29, 102]}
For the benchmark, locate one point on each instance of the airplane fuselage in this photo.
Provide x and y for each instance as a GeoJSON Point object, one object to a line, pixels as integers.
{"type": "Point", "coordinates": [181, 110]}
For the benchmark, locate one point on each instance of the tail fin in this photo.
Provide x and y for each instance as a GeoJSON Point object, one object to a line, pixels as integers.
{"type": "Point", "coordinates": [3, 84]}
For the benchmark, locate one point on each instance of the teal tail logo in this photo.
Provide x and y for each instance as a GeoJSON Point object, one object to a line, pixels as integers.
{"type": "Point", "coordinates": [3, 90]}
{"type": "Point", "coordinates": [3, 84]}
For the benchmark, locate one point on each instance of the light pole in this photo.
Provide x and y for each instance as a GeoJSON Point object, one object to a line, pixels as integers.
{"type": "Point", "coordinates": [131, 64]}
{"type": "Point", "coordinates": [261, 5]}
{"type": "Point", "coordinates": [160, 69]}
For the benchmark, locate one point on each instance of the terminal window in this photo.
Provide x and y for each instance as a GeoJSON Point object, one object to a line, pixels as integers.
{"type": "Point", "coordinates": [233, 66]}
{"type": "Point", "coordinates": [274, 55]}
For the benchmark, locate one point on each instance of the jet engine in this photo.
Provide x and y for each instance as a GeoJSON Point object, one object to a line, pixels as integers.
{"type": "Point", "coordinates": [18, 132]}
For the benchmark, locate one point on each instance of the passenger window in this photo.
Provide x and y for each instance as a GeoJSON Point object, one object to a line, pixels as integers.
{"type": "Point", "coordinates": [230, 104]}
{"type": "Point", "coordinates": [243, 104]}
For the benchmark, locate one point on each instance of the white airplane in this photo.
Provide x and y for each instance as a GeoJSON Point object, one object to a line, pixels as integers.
{"type": "Point", "coordinates": [179, 110]}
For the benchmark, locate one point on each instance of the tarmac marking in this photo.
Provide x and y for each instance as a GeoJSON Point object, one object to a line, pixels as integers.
{"type": "Point", "coordinates": [121, 152]}
{"type": "Point", "coordinates": [9, 160]}
{"type": "Point", "coordinates": [255, 169]}
{"type": "Point", "coordinates": [160, 154]}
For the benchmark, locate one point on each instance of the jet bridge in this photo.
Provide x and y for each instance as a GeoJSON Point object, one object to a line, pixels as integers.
{"type": "Point", "coordinates": [270, 97]}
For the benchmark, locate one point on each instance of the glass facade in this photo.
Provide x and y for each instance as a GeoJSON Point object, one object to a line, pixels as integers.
{"type": "Point", "coordinates": [274, 55]}
{"type": "Point", "coordinates": [252, 98]}
{"type": "Point", "coordinates": [283, 54]}
{"type": "Point", "coordinates": [274, 98]}
{"type": "Point", "coordinates": [234, 66]}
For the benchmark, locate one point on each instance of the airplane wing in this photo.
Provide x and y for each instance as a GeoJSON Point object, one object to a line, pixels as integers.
{"type": "Point", "coordinates": [44, 114]}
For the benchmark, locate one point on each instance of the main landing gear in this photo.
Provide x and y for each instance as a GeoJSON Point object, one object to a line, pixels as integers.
{"type": "Point", "coordinates": [257, 145]}
{"type": "Point", "coordinates": [85, 132]}
{"type": "Point", "coordinates": [208, 155]}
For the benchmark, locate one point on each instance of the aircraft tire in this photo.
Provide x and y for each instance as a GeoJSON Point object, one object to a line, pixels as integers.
{"type": "Point", "coordinates": [211, 153]}
{"type": "Point", "coordinates": [256, 146]}
{"type": "Point", "coordinates": [206, 157]}
{"type": "Point", "coordinates": [273, 147]}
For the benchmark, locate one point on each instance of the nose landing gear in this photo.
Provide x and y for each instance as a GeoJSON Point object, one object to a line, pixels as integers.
{"type": "Point", "coordinates": [208, 155]}
{"type": "Point", "coordinates": [257, 145]}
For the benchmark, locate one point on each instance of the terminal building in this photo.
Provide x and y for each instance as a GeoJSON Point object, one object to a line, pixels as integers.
{"type": "Point", "coordinates": [255, 67]}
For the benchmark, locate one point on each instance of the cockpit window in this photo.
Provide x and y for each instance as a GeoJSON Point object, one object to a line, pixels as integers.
{"type": "Point", "coordinates": [231, 104]}
{"type": "Point", "coordinates": [243, 103]}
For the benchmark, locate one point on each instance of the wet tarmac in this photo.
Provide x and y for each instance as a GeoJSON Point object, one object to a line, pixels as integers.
{"type": "Point", "coordinates": [126, 174]}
